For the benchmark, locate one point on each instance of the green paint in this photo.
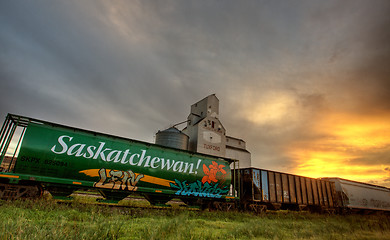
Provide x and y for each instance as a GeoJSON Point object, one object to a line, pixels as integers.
{"type": "Point", "coordinates": [81, 156]}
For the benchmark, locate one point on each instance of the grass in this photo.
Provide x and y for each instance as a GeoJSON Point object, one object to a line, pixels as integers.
{"type": "Point", "coordinates": [47, 219]}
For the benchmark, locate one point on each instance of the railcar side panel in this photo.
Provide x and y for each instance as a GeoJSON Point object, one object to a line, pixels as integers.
{"type": "Point", "coordinates": [309, 191]}
{"type": "Point", "coordinates": [298, 189]}
{"type": "Point", "coordinates": [272, 187]}
{"type": "Point", "coordinates": [304, 190]}
{"type": "Point", "coordinates": [324, 193]}
{"type": "Point", "coordinates": [286, 191]}
{"type": "Point", "coordinates": [264, 185]}
{"type": "Point", "coordinates": [320, 194]}
{"type": "Point", "coordinates": [278, 184]}
{"type": "Point", "coordinates": [330, 194]}
{"type": "Point", "coordinates": [315, 191]}
{"type": "Point", "coordinates": [292, 189]}
{"type": "Point", "coordinates": [58, 155]}
{"type": "Point", "coordinates": [257, 193]}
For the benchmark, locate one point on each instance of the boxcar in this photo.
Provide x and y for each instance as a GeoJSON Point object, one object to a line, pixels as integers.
{"type": "Point", "coordinates": [38, 155]}
{"type": "Point", "coordinates": [264, 189]}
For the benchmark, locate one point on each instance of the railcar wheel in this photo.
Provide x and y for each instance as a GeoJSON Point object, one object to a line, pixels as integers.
{"type": "Point", "coordinates": [13, 192]}
{"type": "Point", "coordinates": [224, 206]}
{"type": "Point", "coordinates": [257, 208]}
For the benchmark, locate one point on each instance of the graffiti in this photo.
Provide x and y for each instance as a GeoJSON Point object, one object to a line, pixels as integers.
{"type": "Point", "coordinates": [213, 173]}
{"type": "Point", "coordinates": [208, 187]}
{"type": "Point", "coordinates": [198, 189]}
{"type": "Point", "coordinates": [118, 180]}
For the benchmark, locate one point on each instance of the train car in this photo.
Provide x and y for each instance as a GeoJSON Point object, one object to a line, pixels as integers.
{"type": "Point", "coordinates": [37, 155]}
{"type": "Point", "coordinates": [361, 197]}
{"type": "Point", "coordinates": [264, 189]}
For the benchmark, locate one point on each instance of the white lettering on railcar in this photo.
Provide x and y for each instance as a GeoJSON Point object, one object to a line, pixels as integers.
{"type": "Point", "coordinates": [106, 154]}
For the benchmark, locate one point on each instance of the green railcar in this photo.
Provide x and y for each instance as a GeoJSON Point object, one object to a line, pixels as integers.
{"type": "Point", "coordinates": [62, 159]}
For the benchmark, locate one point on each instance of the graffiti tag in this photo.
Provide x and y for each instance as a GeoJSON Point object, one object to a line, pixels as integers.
{"type": "Point", "coordinates": [198, 189]}
{"type": "Point", "coordinates": [118, 180]}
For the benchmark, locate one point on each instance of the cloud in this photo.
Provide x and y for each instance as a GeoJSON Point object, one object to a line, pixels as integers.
{"type": "Point", "coordinates": [304, 83]}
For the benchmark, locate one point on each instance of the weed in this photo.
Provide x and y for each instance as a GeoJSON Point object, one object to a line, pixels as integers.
{"type": "Point", "coordinates": [47, 219]}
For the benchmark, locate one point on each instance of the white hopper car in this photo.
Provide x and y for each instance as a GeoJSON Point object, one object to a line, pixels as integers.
{"type": "Point", "coordinates": [354, 195]}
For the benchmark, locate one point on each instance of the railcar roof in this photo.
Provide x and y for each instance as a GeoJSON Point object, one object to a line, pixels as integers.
{"type": "Point", "coordinates": [23, 121]}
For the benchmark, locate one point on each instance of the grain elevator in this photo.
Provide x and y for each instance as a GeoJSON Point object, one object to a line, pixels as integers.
{"type": "Point", "coordinates": [206, 134]}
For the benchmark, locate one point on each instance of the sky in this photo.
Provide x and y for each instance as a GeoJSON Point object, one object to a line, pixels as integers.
{"type": "Point", "coordinates": [306, 83]}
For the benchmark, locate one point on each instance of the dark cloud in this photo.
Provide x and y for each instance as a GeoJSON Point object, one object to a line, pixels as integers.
{"type": "Point", "coordinates": [132, 68]}
{"type": "Point", "coordinates": [372, 157]}
{"type": "Point", "coordinates": [361, 55]}
{"type": "Point", "coordinates": [370, 79]}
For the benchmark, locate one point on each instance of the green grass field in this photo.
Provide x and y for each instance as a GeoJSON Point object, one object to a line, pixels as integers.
{"type": "Point", "coordinates": [47, 219]}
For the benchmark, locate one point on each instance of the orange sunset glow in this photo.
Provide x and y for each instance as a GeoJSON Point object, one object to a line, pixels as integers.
{"type": "Point", "coordinates": [316, 135]}
{"type": "Point", "coordinates": [351, 146]}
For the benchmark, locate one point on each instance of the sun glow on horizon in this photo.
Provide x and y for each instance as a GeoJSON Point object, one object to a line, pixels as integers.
{"type": "Point", "coordinates": [354, 147]}
{"type": "Point", "coordinates": [319, 141]}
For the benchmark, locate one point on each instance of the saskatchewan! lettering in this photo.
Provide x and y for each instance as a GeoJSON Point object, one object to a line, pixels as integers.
{"type": "Point", "coordinates": [118, 156]}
